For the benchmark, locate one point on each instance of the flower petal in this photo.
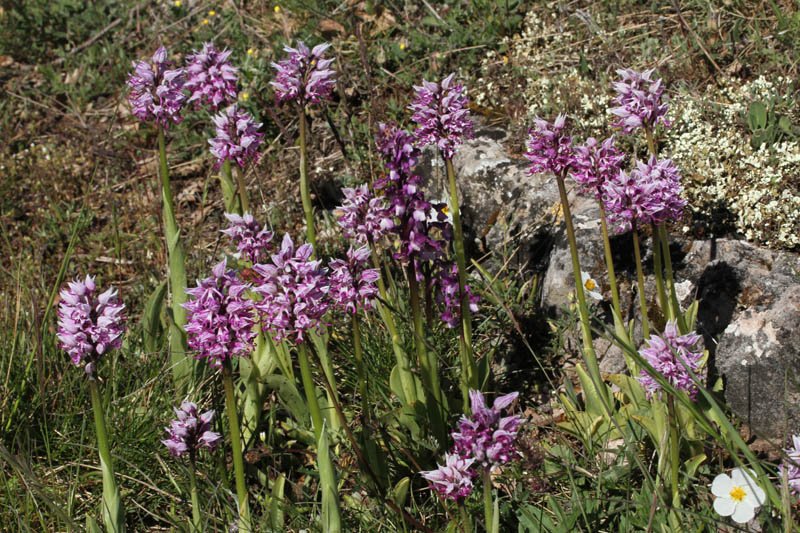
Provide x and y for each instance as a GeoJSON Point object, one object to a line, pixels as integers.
{"type": "Point", "coordinates": [743, 513]}
{"type": "Point", "coordinates": [755, 496]}
{"type": "Point", "coordinates": [722, 485]}
{"type": "Point", "coordinates": [724, 506]}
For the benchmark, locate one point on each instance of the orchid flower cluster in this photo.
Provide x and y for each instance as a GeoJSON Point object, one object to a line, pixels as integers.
{"type": "Point", "coordinates": [290, 294]}
{"type": "Point", "coordinates": [420, 229]}
{"type": "Point", "coordinates": [675, 357]}
{"type": "Point", "coordinates": [89, 324]}
{"type": "Point", "coordinates": [484, 439]}
{"type": "Point", "coordinates": [441, 114]}
{"type": "Point", "coordinates": [649, 194]}
{"type": "Point", "coordinates": [304, 76]}
{"type": "Point", "coordinates": [158, 93]}
{"type": "Point", "coordinates": [221, 318]}
{"type": "Point", "coordinates": [190, 432]}
{"type": "Point", "coordinates": [211, 78]}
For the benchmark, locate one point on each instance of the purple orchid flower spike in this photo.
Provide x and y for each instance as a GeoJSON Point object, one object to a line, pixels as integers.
{"type": "Point", "coordinates": [549, 147]}
{"type": "Point", "coordinates": [190, 432]}
{"type": "Point", "coordinates": [486, 435]}
{"type": "Point", "coordinates": [441, 113]}
{"type": "Point", "coordinates": [211, 78]}
{"type": "Point", "coordinates": [421, 237]}
{"type": "Point", "coordinates": [648, 194]}
{"type": "Point", "coordinates": [453, 479]}
{"type": "Point", "coordinates": [238, 138]}
{"type": "Point", "coordinates": [670, 354]}
{"type": "Point", "coordinates": [304, 76]}
{"type": "Point", "coordinates": [220, 317]}
{"type": "Point", "coordinates": [156, 93]}
{"type": "Point", "coordinates": [448, 295]}
{"type": "Point", "coordinates": [89, 325]}
{"type": "Point", "coordinates": [596, 163]}
{"type": "Point", "coordinates": [667, 187]}
{"type": "Point", "coordinates": [353, 286]}
{"type": "Point", "coordinates": [294, 292]}
{"type": "Point", "coordinates": [639, 101]}
{"type": "Point", "coordinates": [362, 216]}
{"type": "Point", "coordinates": [253, 242]}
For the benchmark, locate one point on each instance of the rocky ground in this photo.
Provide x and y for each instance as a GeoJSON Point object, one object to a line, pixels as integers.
{"type": "Point", "coordinates": [749, 312]}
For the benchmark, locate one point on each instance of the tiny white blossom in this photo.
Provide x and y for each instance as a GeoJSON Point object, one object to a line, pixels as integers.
{"type": "Point", "coordinates": [590, 286]}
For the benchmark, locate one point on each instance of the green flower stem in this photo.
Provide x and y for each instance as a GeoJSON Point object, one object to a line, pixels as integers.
{"type": "Point", "coordinates": [640, 282]}
{"type": "Point", "coordinates": [674, 453]}
{"type": "Point", "coordinates": [466, 523]}
{"type": "Point", "coordinates": [400, 355]}
{"type": "Point", "coordinates": [651, 142]}
{"type": "Point", "coordinates": [197, 523]}
{"type": "Point", "coordinates": [427, 359]}
{"type": "Point", "coordinates": [488, 503]}
{"type": "Point", "coordinates": [659, 274]}
{"type": "Point", "coordinates": [673, 296]}
{"type": "Point", "coordinates": [113, 510]}
{"type": "Point", "coordinates": [469, 373]}
{"type": "Point", "coordinates": [588, 348]}
{"type": "Point", "coordinates": [228, 188]}
{"type": "Point", "coordinates": [358, 353]}
{"type": "Point", "coordinates": [662, 432]}
{"type": "Point", "coordinates": [305, 192]}
{"type": "Point", "coordinates": [236, 447]}
{"type": "Point", "coordinates": [244, 200]}
{"type": "Point", "coordinates": [612, 277]}
{"type": "Point", "coordinates": [310, 390]}
{"type": "Point", "coordinates": [176, 258]}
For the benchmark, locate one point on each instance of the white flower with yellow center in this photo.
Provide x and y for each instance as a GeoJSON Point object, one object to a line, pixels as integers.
{"type": "Point", "coordinates": [590, 286]}
{"type": "Point", "coordinates": [737, 495]}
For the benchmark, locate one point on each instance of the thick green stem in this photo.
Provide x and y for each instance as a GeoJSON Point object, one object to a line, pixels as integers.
{"type": "Point", "coordinates": [228, 188]}
{"type": "Point", "coordinates": [176, 258]}
{"type": "Point", "coordinates": [236, 447]}
{"type": "Point", "coordinates": [113, 511]}
{"type": "Point", "coordinates": [674, 453]}
{"type": "Point", "coordinates": [651, 142]}
{"type": "Point", "coordinates": [310, 389]}
{"type": "Point", "coordinates": [469, 373]}
{"type": "Point", "coordinates": [588, 348]}
{"type": "Point", "coordinates": [640, 282]}
{"type": "Point", "coordinates": [466, 523]}
{"type": "Point", "coordinates": [612, 277]}
{"type": "Point", "coordinates": [659, 274]}
{"type": "Point", "coordinates": [673, 296]}
{"type": "Point", "coordinates": [401, 357]}
{"type": "Point", "coordinates": [358, 353]}
{"type": "Point", "coordinates": [488, 503]}
{"type": "Point", "coordinates": [426, 358]}
{"type": "Point", "coordinates": [244, 199]}
{"type": "Point", "coordinates": [197, 523]}
{"type": "Point", "coordinates": [305, 191]}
